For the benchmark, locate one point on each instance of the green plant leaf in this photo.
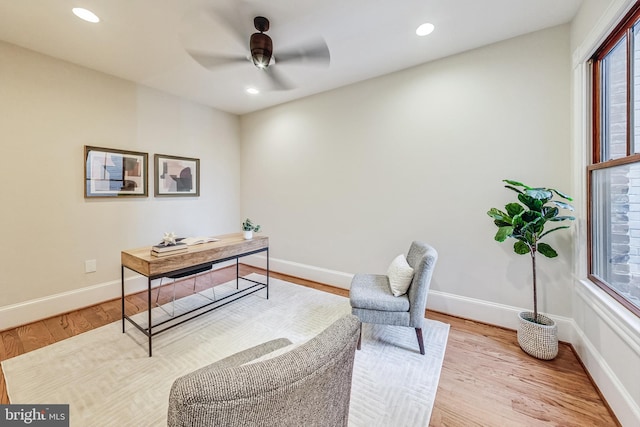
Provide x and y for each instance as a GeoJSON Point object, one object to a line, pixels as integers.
{"type": "Point", "coordinates": [518, 221]}
{"type": "Point", "coordinates": [561, 194]}
{"type": "Point", "coordinates": [563, 218]}
{"type": "Point", "coordinates": [528, 234]}
{"type": "Point", "coordinates": [550, 212]}
{"type": "Point", "coordinates": [533, 230]}
{"type": "Point", "coordinates": [517, 190]}
{"type": "Point", "coordinates": [521, 248]}
{"type": "Point", "coordinates": [501, 223]}
{"type": "Point", "coordinates": [499, 215]}
{"type": "Point", "coordinates": [503, 233]}
{"type": "Point", "coordinates": [516, 183]}
{"type": "Point", "coordinates": [547, 250]}
{"type": "Point", "coordinates": [530, 202]}
{"type": "Point", "coordinates": [514, 209]}
{"type": "Point", "coordinates": [532, 216]}
{"type": "Point", "coordinates": [563, 205]}
{"type": "Point", "coordinates": [540, 194]}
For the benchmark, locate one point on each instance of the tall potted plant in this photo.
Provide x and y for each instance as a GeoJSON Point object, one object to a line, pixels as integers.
{"type": "Point", "coordinates": [525, 221]}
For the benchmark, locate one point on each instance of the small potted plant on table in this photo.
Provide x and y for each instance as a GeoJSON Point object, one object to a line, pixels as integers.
{"type": "Point", "coordinates": [248, 227]}
{"type": "Point", "coordinates": [525, 221]}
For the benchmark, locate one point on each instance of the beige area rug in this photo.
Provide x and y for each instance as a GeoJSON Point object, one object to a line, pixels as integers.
{"type": "Point", "coordinates": [108, 379]}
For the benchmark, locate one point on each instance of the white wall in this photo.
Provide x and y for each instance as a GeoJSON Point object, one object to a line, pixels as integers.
{"type": "Point", "coordinates": [606, 335]}
{"type": "Point", "coordinates": [50, 109]}
{"type": "Point", "coordinates": [345, 180]}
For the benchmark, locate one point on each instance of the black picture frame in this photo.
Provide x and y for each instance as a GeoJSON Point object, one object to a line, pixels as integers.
{"type": "Point", "coordinates": [110, 172]}
{"type": "Point", "coordinates": [176, 176]}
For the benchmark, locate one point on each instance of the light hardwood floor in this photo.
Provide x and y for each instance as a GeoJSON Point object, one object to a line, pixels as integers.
{"type": "Point", "coordinates": [486, 379]}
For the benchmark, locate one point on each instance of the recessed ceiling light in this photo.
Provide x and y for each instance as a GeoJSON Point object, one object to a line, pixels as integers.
{"type": "Point", "coordinates": [85, 14]}
{"type": "Point", "coordinates": [252, 91]}
{"type": "Point", "coordinates": [425, 29]}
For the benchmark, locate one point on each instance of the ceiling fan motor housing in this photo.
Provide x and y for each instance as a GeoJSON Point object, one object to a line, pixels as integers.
{"type": "Point", "coordinates": [260, 44]}
{"type": "Point", "coordinates": [261, 49]}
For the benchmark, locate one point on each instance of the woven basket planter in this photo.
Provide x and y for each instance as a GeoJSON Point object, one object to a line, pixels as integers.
{"type": "Point", "coordinates": [538, 340]}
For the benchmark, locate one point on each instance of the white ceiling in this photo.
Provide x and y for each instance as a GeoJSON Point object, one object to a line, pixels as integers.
{"type": "Point", "coordinates": [144, 40]}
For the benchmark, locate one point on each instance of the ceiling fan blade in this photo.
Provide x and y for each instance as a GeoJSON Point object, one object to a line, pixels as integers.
{"type": "Point", "coordinates": [234, 21]}
{"type": "Point", "coordinates": [278, 81]}
{"type": "Point", "coordinates": [209, 61]}
{"type": "Point", "coordinates": [315, 52]}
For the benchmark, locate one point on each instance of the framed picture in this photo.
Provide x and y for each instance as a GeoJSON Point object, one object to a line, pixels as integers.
{"type": "Point", "coordinates": [176, 176]}
{"type": "Point", "coordinates": [114, 173]}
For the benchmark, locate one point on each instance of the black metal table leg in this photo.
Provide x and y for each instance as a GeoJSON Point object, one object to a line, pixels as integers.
{"type": "Point", "coordinates": [149, 312]}
{"type": "Point", "coordinates": [122, 297]}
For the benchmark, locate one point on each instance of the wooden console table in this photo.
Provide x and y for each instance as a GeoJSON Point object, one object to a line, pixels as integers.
{"type": "Point", "coordinates": [228, 247]}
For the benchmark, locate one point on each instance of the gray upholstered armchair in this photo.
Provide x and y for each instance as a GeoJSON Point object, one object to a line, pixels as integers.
{"type": "Point", "coordinates": [309, 384]}
{"type": "Point", "coordinates": [373, 301]}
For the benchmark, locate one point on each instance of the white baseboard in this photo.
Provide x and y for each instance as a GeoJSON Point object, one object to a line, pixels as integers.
{"type": "Point", "coordinates": [26, 312]}
{"type": "Point", "coordinates": [491, 313]}
{"type": "Point", "coordinates": [617, 396]}
{"type": "Point", "coordinates": [469, 308]}
{"type": "Point", "coordinates": [618, 336]}
{"type": "Point", "coordinates": [303, 271]}
{"type": "Point", "coordinates": [41, 308]}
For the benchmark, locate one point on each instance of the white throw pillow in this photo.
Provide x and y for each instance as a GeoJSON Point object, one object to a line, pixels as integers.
{"type": "Point", "coordinates": [400, 274]}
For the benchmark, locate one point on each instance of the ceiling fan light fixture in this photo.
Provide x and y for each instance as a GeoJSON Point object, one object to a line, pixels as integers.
{"type": "Point", "coordinates": [425, 29]}
{"type": "Point", "coordinates": [261, 49]}
{"type": "Point", "coordinates": [85, 14]}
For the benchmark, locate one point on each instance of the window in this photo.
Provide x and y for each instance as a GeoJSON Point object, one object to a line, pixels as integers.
{"type": "Point", "coordinates": [614, 172]}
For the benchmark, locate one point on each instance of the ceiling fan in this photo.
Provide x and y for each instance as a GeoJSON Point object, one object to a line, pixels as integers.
{"type": "Point", "coordinates": [263, 56]}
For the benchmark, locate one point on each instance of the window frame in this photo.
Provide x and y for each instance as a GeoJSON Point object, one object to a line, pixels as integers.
{"type": "Point", "coordinates": [622, 30]}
